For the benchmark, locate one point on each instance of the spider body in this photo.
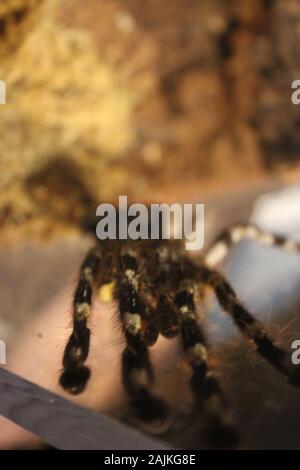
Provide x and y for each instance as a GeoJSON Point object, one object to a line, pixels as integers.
{"type": "Point", "coordinates": [160, 290]}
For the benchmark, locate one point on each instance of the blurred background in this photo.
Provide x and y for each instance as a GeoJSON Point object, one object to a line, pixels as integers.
{"type": "Point", "coordinates": [161, 101]}
{"type": "Point", "coordinates": [152, 99]}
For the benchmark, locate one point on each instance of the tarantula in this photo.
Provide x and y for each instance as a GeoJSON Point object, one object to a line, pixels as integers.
{"type": "Point", "coordinates": [159, 290]}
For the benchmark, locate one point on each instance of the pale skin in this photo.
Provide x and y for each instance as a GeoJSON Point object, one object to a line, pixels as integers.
{"type": "Point", "coordinates": [37, 356]}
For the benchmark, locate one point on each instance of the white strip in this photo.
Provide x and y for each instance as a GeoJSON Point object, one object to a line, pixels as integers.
{"type": "Point", "coordinates": [216, 254]}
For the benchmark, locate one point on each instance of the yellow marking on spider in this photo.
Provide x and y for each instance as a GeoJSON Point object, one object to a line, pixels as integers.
{"type": "Point", "coordinates": [106, 291]}
{"type": "Point", "coordinates": [133, 323]}
{"type": "Point", "coordinates": [82, 310]}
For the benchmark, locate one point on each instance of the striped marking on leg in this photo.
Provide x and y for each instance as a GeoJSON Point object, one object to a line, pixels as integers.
{"type": "Point", "coordinates": [224, 242]}
{"type": "Point", "coordinates": [249, 326]}
{"type": "Point", "coordinates": [150, 411]}
{"type": "Point", "coordinates": [220, 430]}
{"type": "Point", "coordinates": [137, 372]}
{"type": "Point", "coordinates": [75, 374]}
{"type": "Point", "coordinates": [137, 317]}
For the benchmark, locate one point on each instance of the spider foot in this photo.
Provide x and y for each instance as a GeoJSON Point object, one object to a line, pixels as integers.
{"type": "Point", "coordinates": [151, 412]}
{"type": "Point", "coordinates": [221, 435]}
{"type": "Point", "coordinates": [74, 380]}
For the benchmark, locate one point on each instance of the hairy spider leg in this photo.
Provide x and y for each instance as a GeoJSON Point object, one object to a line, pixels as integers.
{"type": "Point", "coordinates": [248, 325]}
{"type": "Point", "coordinates": [178, 316]}
{"type": "Point", "coordinates": [166, 284]}
{"type": "Point", "coordinates": [137, 371]}
{"type": "Point", "coordinates": [221, 246]}
{"type": "Point", "coordinates": [75, 374]}
{"type": "Point", "coordinates": [220, 430]}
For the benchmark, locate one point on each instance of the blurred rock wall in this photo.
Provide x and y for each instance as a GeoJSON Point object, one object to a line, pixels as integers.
{"type": "Point", "coordinates": [111, 96]}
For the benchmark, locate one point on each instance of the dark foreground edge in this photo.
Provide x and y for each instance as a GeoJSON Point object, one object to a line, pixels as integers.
{"type": "Point", "coordinates": [62, 424]}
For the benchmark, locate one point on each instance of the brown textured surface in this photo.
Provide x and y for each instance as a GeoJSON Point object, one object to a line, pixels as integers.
{"type": "Point", "coordinates": [139, 99]}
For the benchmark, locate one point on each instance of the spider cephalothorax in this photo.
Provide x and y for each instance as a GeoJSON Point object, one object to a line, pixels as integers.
{"type": "Point", "coordinates": [159, 290]}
